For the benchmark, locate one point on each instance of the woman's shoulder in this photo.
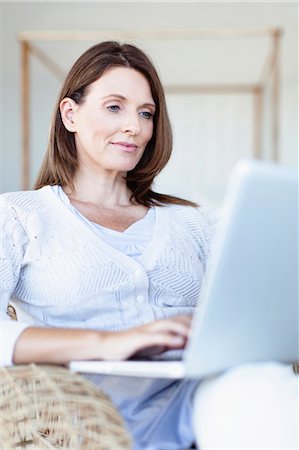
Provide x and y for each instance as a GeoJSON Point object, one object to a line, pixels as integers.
{"type": "Point", "coordinates": [22, 199]}
{"type": "Point", "coordinates": [24, 206]}
{"type": "Point", "coordinates": [23, 210]}
{"type": "Point", "coordinates": [199, 222]}
{"type": "Point", "coordinates": [200, 215]}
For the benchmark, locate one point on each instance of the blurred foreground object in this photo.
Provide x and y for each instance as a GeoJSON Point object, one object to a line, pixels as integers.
{"type": "Point", "coordinates": [48, 407]}
{"type": "Point", "coordinates": [254, 406]}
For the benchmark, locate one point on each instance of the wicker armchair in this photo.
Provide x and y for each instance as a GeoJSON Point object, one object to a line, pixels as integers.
{"type": "Point", "coordinates": [49, 407]}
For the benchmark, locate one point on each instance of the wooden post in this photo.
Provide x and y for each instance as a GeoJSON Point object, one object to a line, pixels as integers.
{"type": "Point", "coordinates": [257, 126]}
{"type": "Point", "coordinates": [172, 33]}
{"type": "Point", "coordinates": [275, 97]}
{"type": "Point", "coordinates": [25, 114]}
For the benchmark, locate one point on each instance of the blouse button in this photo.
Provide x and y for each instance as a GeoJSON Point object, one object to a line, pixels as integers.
{"type": "Point", "coordinates": [137, 273]}
{"type": "Point", "coordinates": [140, 298]}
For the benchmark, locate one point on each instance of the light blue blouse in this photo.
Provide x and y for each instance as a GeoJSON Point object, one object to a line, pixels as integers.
{"type": "Point", "coordinates": [132, 242]}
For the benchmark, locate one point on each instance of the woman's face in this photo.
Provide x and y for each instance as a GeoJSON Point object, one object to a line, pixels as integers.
{"type": "Point", "coordinates": [114, 123]}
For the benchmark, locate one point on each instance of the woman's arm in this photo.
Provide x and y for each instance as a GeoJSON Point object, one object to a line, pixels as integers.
{"type": "Point", "coordinates": [13, 244]}
{"type": "Point", "coordinates": [59, 345]}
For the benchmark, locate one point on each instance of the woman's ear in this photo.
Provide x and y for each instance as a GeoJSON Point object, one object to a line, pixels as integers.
{"type": "Point", "coordinates": [67, 110]}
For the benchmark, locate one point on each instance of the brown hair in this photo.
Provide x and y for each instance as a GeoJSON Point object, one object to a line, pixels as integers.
{"type": "Point", "coordinates": [61, 162]}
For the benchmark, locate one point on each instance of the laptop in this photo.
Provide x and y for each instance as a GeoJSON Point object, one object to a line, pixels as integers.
{"type": "Point", "coordinates": [248, 311]}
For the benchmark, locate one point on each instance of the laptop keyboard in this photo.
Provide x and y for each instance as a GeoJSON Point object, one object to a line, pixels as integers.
{"type": "Point", "coordinates": [169, 355]}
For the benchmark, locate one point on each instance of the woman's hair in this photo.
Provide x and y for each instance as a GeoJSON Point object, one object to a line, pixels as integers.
{"type": "Point", "coordinates": [61, 161]}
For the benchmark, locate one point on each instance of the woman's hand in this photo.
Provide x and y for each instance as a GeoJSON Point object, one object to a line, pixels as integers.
{"type": "Point", "coordinates": [152, 338]}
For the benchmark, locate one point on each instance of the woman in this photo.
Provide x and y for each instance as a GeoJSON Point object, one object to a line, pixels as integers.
{"type": "Point", "coordinates": [96, 265]}
{"type": "Point", "coordinates": [102, 265]}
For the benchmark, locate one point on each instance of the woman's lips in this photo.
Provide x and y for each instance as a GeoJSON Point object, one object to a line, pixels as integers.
{"type": "Point", "coordinates": [127, 147]}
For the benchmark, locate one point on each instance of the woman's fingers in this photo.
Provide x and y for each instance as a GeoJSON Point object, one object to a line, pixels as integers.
{"type": "Point", "coordinates": [179, 325]}
{"type": "Point", "coordinates": [170, 333]}
{"type": "Point", "coordinates": [166, 334]}
{"type": "Point", "coordinates": [164, 339]}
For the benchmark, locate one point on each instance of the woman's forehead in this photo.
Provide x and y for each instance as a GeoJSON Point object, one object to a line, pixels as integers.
{"type": "Point", "coordinates": [122, 81]}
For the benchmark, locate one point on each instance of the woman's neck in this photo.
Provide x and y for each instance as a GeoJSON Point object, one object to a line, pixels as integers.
{"type": "Point", "coordinates": [106, 191]}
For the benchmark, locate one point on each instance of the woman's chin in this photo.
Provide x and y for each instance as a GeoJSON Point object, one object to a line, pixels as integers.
{"type": "Point", "coordinates": [126, 166]}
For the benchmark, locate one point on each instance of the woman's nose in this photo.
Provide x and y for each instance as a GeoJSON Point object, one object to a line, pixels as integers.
{"type": "Point", "coordinates": [131, 125]}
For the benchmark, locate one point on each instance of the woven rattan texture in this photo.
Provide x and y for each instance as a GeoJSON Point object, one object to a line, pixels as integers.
{"type": "Point", "coordinates": [49, 407]}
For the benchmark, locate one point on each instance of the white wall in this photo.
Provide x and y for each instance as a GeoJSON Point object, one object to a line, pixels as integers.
{"type": "Point", "coordinates": [211, 132]}
{"type": "Point", "coordinates": [1, 101]}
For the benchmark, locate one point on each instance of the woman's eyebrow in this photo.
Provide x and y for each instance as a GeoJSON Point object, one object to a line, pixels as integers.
{"type": "Point", "coordinates": [121, 97]}
{"type": "Point", "coordinates": [150, 105]}
{"type": "Point", "coordinates": [115, 95]}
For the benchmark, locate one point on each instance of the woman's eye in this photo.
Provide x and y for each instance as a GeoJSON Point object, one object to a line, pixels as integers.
{"type": "Point", "coordinates": [146, 114]}
{"type": "Point", "coordinates": [113, 108]}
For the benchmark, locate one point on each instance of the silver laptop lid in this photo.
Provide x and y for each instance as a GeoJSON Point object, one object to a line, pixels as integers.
{"type": "Point", "coordinates": [250, 305]}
